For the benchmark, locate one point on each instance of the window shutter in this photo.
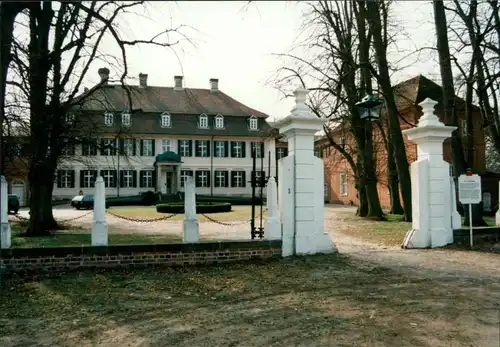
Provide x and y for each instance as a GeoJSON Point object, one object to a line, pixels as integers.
{"type": "Point", "coordinates": [121, 145]}
{"type": "Point", "coordinates": [261, 145]}
{"type": "Point", "coordinates": [134, 145]}
{"type": "Point", "coordinates": [209, 144]}
{"type": "Point", "coordinates": [179, 147]}
{"type": "Point", "coordinates": [209, 181]}
{"type": "Point", "coordinates": [141, 175]}
{"type": "Point", "coordinates": [141, 150]}
{"type": "Point", "coordinates": [59, 178]}
{"type": "Point", "coordinates": [102, 147]}
{"type": "Point", "coordinates": [233, 145]}
{"type": "Point", "coordinates": [190, 143]}
{"type": "Point", "coordinates": [153, 145]}
{"type": "Point", "coordinates": [122, 173]}
{"type": "Point", "coordinates": [226, 179]}
{"type": "Point", "coordinates": [134, 179]}
{"type": "Point", "coordinates": [197, 178]}
{"type": "Point", "coordinates": [94, 177]}
{"type": "Point", "coordinates": [84, 149]}
{"type": "Point", "coordinates": [233, 178]}
{"type": "Point", "coordinates": [113, 179]}
{"type": "Point", "coordinates": [197, 148]}
{"type": "Point", "coordinates": [72, 179]}
{"type": "Point", "coordinates": [113, 146]}
{"type": "Point", "coordinates": [243, 178]}
{"type": "Point", "coordinates": [82, 173]}
{"type": "Point", "coordinates": [226, 149]}
{"type": "Point", "coordinates": [243, 149]}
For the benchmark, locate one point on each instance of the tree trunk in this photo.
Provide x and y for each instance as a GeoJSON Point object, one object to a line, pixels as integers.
{"type": "Point", "coordinates": [392, 180]}
{"type": "Point", "coordinates": [392, 111]}
{"type": "Point", "coordinates": [374, 207]}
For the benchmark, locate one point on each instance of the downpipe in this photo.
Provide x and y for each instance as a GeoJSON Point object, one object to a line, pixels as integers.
{"type": "Point", "coordinates": [294, 196]}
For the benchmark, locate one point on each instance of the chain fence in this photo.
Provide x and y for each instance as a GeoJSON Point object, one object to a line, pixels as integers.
{"type": "Point", "coordinates": [228, 223]}
{"type": "Point", "coordinates": [142, 220]}
{"type": "Point", "coordinates": [25, 219]}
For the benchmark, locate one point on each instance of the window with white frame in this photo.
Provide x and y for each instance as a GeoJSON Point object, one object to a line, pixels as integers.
{"type": "Point", "coordinates": [238, 179]}
{"type": "Point", "coordinates": [257, 149]}
{"type": "Point", "coordinates": [202, 148]}
{"type": "Point", "coordinates": [166, 120]}
{"type": "Point", "coordinates": [203, 178]}
{"type": "Point", "coordinates": [109, 177]}
{"type": "Point", "coordinates": [126, 118]}
{"type": "Point", "coordinates": [221, 179]}
{"type": "Point", "coordinates": [147, 148]}
{"type": "Point", "coordinates": [259, 178]}
{"type": "Point", "coordinates": [220, 149]}
{"type": "Point", "coordinates": [280, 152]}
{"type": "Point", "coordinates": [65, 179]}
{"type": "Point", "coordinates": [127, 179]}
{"type": "Point", "coordinates": [108, 147]}
{"type": "Point", "coordinates": [166, 146]}
{"type": "Point", "coordinates": [237, 149]}
{"type": "Point", "coordinates": [184, 175]}
{"type": "Point", "coordinates": [69, 118]}
{"type": "Point", "coordinates": [343, 184]}
{"type": "Point", "coordinates": [146, 179]}
{"type": "Point", "coordinates": [185, 148]}
{"type": "Point", "coordinates": [129, 147]}
{"type": "Point", "coordinates": [253, 123]}
{"type": "Point", "coordinates": [219, 122]}
{"type": "Point", "coordinates": [203, 121]}
{"type": "Point", "coordinates": [87, 178]}
{"type": "Point", "coordinates": [108, 118]}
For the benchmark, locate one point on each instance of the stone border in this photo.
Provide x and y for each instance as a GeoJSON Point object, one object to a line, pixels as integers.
{"type": "Point", "coordinates": [175, 254]}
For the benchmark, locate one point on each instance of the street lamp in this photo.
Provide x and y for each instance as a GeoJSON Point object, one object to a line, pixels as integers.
{"type": "Point", "coordinates": [369, 108]}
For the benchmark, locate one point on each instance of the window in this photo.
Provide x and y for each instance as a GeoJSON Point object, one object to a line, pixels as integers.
{"type": "Point", "coordinates": [219, 122]}
{"type": "Point", "coordinates": [220, 149]}
{"type": "Point", "coordinates": [343, 184]}
{"type": "Point", "coordinates": [184, 175]}
{"type": "Point", "coordinates": [185, 148]}
{"type": "Point", "coordinates": [69, 118]}
{"type": "Point", "coordinates": [126, 118]}
{"type": "Point", "coordinates": [281, 152]}
{"type": "Point", "coordinates": [463, 126]}
{"type": "Point", "coordinates": [128, 147]}
{"type": "Point", "coordinates": [165, 120]}
{"type": "Point", "coordinates": [147, 148]}
{"type": "Point", "coordinates": [68, 149]}
{"type": "Point", "coordinates": [87, 178]}
{"type": "Point", "coordinates": [221, 179]}
{"type": "Point", "coordinates": [259, 177]}
{"type": "Point", "coordinates": [166, 146]}
{"type": "Point", "coordinates": [238, 179]}
{"type": "Point", "coordinates": [253, 123]}
{"type": "Point", "coordinates": [89, 149]}
{"type": "Point", "coordinates": [146, 179]}
{"type": "Point", "coordinates": [128, 179]}
{"type": "Point", "coordinates": [109, 177]}
{"type": "Point", "coordinates": [203, 121]}
{"type": "Point", "coordinates": [257, 149]}
{"type": "Point", "coordinates": [202, 148]}
{"type": "Point", "coordinates": [319, 153]}
{"type": "Point", "coordinates": [342, 142]}
{"type": "Point", "coordinates": [203, 178]}
{"type": "Point", "coordinates": [65, 179]}
{"type": "Point", "coordinates": [237, 149]}
{"type": "Point", "coordinates": [108, 147]}
{"type": "Point", "coordinates": [108, 119]}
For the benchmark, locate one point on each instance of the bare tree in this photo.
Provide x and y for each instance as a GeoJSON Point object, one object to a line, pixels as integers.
{"type": "Point", "coordinates": [51, 88]}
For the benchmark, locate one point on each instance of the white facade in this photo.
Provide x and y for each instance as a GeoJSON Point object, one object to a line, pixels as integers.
{"type": "Point", "coordinates": [79, 163]}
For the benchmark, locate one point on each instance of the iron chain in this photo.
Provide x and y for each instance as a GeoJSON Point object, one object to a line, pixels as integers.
{"type": "Point", "coordinates": [139, 220]}
{"type": "Point", "coordinates": [226, 223]}
{"type": "Point", "coordinates": [24, 219]}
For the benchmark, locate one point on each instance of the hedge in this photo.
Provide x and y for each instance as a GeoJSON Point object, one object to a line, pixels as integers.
{"type": "Point", "coordinates": [148, 198]}
{"type": "Point", "coordinates": [201, 207]}
{"type": "Point", "coordinates": [234, 200]}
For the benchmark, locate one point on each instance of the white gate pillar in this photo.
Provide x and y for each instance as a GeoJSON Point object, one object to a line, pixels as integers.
{"type": "Point", "coordinates": [99, 236]}
{"type": "Point", "coordinates": [301, 177]}
{"type": "Point", "coordinates": [430, 183]}
{"type": "Point", "coordinates": [5, 232]}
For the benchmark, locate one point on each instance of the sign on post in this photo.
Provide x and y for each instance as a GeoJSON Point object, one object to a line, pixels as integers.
{"type": "Point", "coordinates": [469, 192]}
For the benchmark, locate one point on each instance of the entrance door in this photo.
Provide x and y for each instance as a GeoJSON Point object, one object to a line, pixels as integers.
{"type": "Point", "coordinates": [18, 189]}
{"type": "Point", "coordinates": [168, 183]}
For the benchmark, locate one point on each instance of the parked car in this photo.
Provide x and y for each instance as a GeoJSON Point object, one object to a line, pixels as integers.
{"type": "Point", "coordinates": [13, 203]}
{"type": "Point", "coordinates": [82, 202]}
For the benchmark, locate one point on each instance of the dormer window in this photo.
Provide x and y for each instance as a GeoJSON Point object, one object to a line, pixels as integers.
{"type": "Point", "coordinates": [253, 123]}
{"type": "Point", "coordinates": [165, 120]}
{"type": "Point", "coordinates": [69, 118]}
{"type": "Point", "coordinates": [219, 122]}
{"type": "Point", "coordinates": [203, 121]}
{"type": "Point", "coordinates": [108, 119]}
{"type": "Point", "coordinates": [126, 118]}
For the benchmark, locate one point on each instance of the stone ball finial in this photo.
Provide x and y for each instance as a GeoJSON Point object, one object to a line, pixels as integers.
{"type": "Point", "coordinates": [3, 180]}
{"type": "Point", "coordinates": [429, 118]}
{"type": "Point", "coordinates": [300, 95]}
{"type": "Point", "coordinates": [99, 179]}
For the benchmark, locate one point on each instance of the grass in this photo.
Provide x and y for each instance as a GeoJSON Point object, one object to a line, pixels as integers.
{"type": "Point", "coordinates": [82, 238]}
{"type": "Point", "coordinates": [238, 213]}
{"type": "Point", "coordinates": [308, 301]}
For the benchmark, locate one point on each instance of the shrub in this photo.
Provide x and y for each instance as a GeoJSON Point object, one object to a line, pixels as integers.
{"type": "Point", "coordinates": [201, 207]}
{"type": "Point", "coordinates": [149, 198]}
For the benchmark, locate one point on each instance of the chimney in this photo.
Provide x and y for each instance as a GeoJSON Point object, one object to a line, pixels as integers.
{"type": "Point", "coordinates": [178, 82]}
{"type": "Point", "coordinates": [214, 84]}
{"type": "Point", "coordinates": [143, 80]}
{"type": "Point", "coordinates": [104, 74]}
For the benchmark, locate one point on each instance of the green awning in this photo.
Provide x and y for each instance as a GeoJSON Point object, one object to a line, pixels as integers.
{"type": "Point", "coordinates": [168, 157]}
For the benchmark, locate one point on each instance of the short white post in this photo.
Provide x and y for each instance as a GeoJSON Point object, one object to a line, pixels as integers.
{"type": "Point", "coordinates": [456, 219]}
{"type": "Point", "coordinates": [99, 227]}
{"type": "Point", "coordinates": [272, 229]}
{"type": "Point", "coordinates": [497, 215]}
{"type": "Point", "coordinates": [4, 216]}
{"type": "Point", "coordinates": [191, 227]}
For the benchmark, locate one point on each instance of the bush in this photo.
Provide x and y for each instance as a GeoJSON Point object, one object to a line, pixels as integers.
{"type": "Point", "coordinates": [234, 200]}
{"type": "Point", "coordinates": [149, 198]}
{"type": "Point", "coordinates": [201, 207]}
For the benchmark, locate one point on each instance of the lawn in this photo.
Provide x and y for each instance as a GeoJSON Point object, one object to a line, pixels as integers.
{"type": "Point", "coordinates": [309, 301]}
{"type": "Point", "coordinates": [238, 213]}
{"type": "Point", "coordinates": [78, 238]}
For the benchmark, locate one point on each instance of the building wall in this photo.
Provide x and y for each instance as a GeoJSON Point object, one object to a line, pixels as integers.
{"type": "Point", "coordinates": [336, 165]}
{"type": "Point", "coordinates": [99, 162]}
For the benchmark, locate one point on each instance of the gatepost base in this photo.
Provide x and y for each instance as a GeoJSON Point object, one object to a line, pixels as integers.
{"type": "Point", "coordinates": [99, 234]}
{"type": "Point", "coordinates": [191, 231]}
{"type": "Point", "coordinates": [5, 234]}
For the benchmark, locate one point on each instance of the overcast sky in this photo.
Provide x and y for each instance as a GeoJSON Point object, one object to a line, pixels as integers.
{"type": "Point", "coordinates": [234, 42]}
